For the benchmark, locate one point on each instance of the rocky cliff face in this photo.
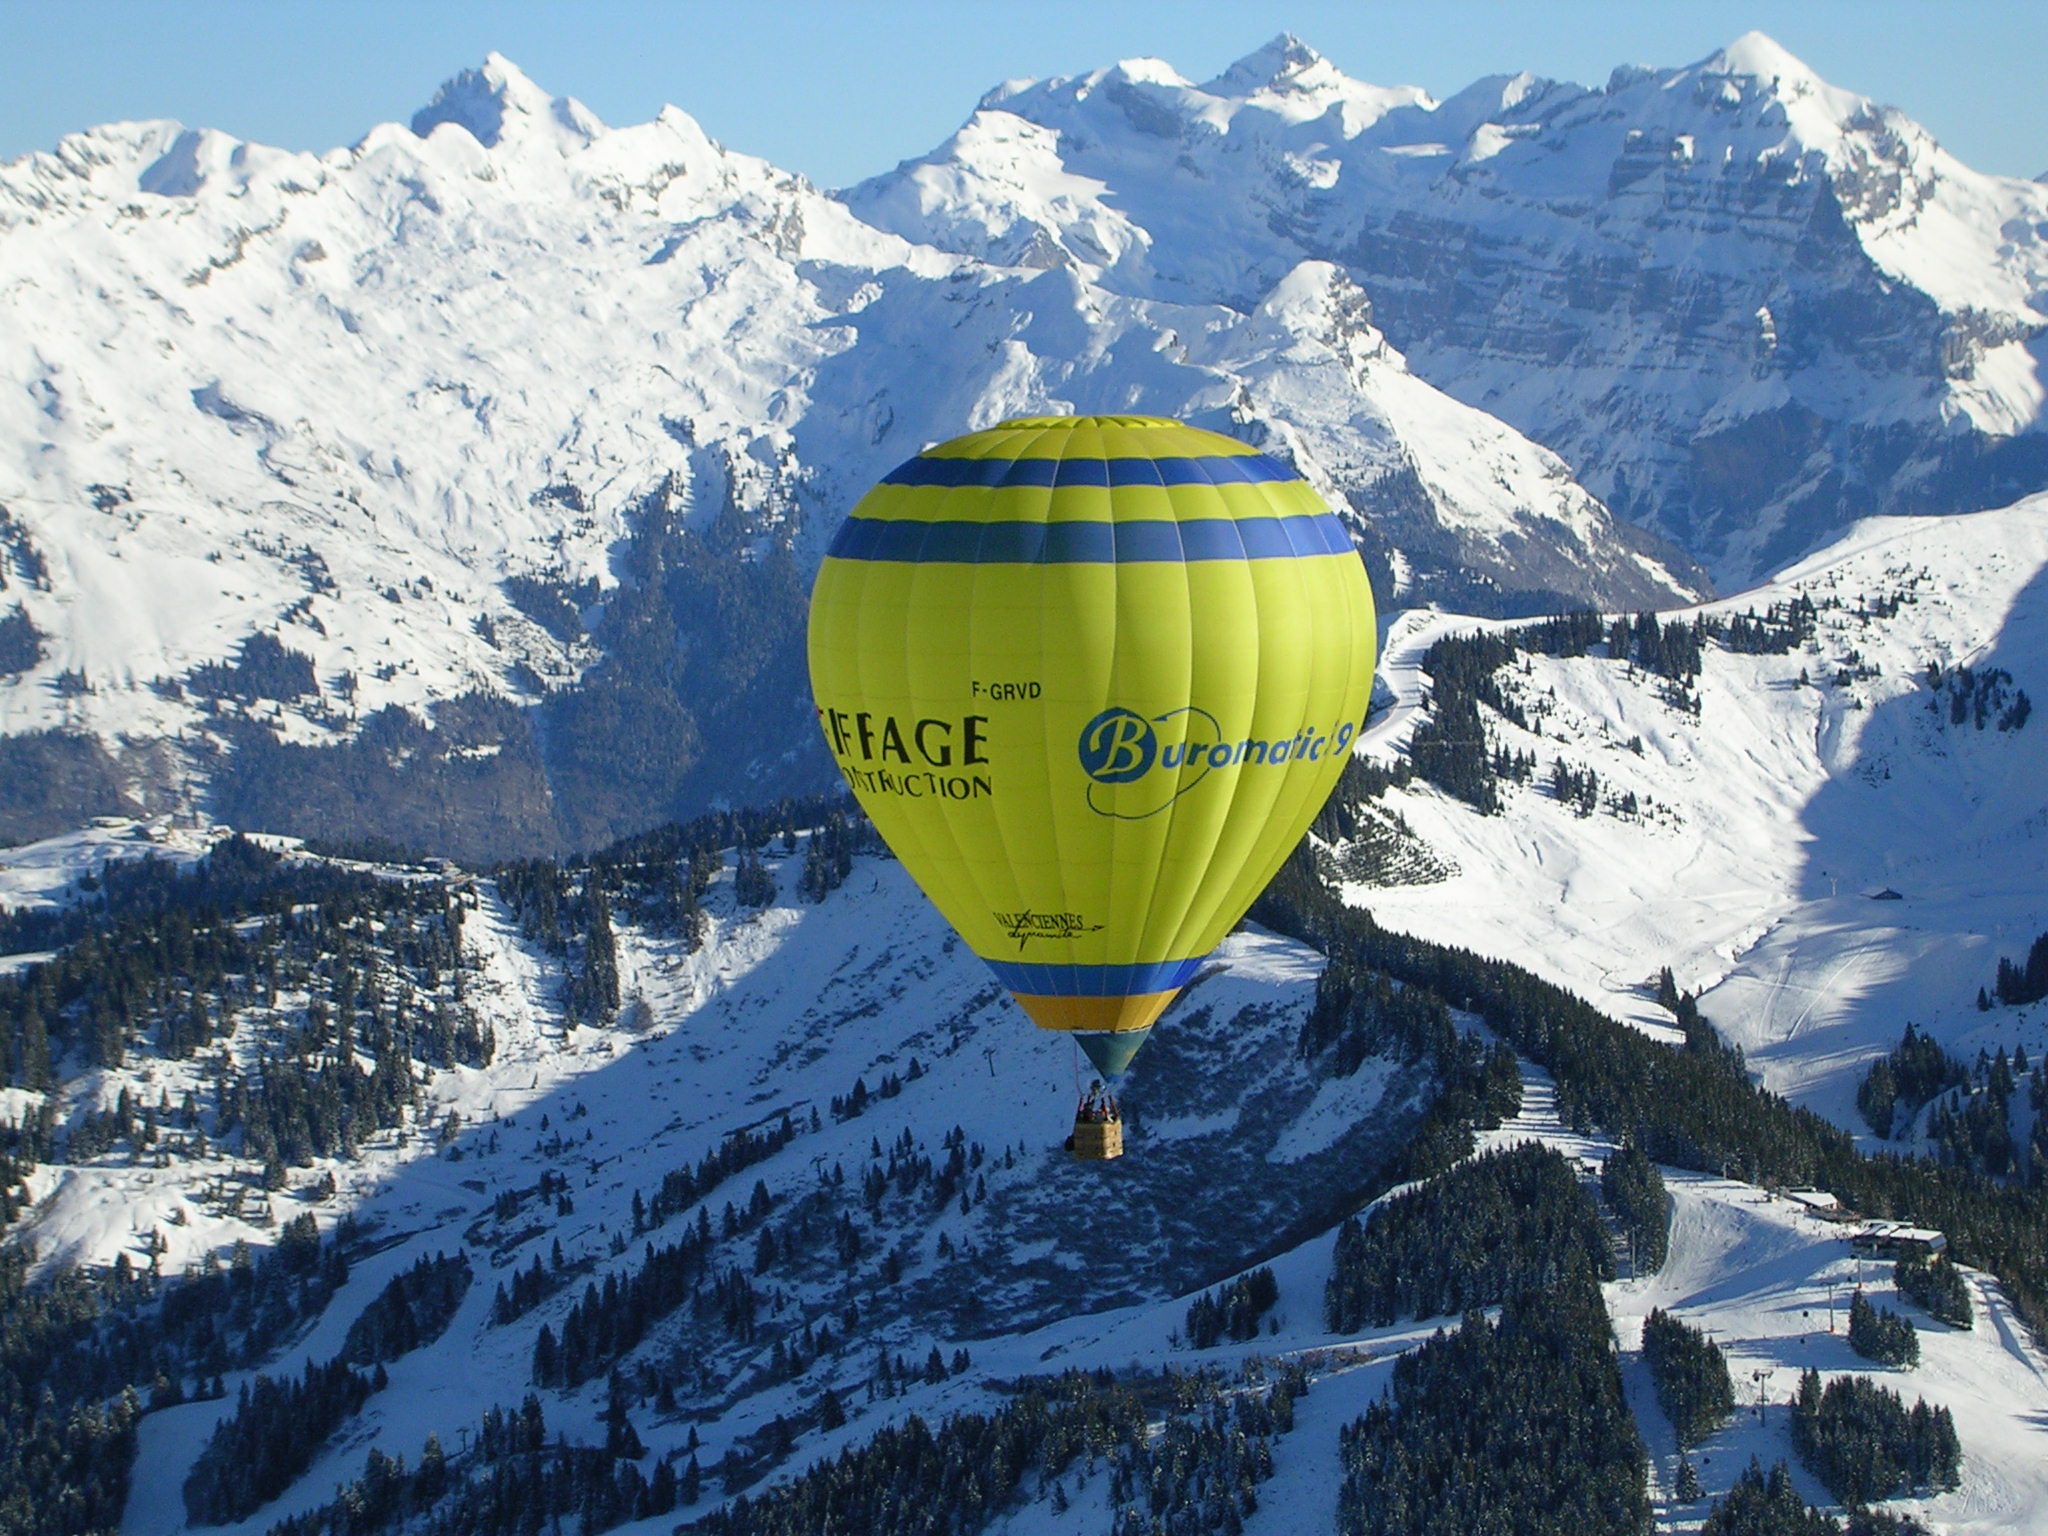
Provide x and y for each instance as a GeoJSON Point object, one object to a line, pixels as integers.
{"type": "Point", "coordinates": [1743, 305]}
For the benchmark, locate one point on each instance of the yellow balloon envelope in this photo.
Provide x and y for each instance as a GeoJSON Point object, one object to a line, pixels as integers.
{"type": "Point", "coordinates": [1091, 677]}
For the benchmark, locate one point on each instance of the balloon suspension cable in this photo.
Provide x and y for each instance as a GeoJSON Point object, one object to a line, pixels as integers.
{"type": "Point", "coordinates": [1077, 1067]}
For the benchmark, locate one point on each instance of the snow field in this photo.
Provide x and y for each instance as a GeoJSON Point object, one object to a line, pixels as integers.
{"type": "Point", "coordinates": [1774, 816]}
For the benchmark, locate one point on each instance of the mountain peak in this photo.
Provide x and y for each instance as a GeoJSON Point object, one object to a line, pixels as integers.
{"type": "Point", "coordinates": [1282, 64]}
{"type": "Point", "coordinates": [1762, 58]}
{"type": "Point", "coordinates": [1291, 79]}
{"type": "Point", "coordinates": [490, 102]}
{"type": "Point", "coordinates": [1145, 70]}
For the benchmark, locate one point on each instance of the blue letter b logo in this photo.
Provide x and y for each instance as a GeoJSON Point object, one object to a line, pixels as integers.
{"type": "Point", "coordinates": [1117, 746]}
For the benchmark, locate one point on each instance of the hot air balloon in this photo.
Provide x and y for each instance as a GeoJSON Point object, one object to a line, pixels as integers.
{"type": "Point", "coordinates": [1091, 677]}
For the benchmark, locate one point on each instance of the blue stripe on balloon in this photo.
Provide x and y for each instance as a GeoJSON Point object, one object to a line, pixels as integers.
{"type": "Point", "coordinates": [1026, 542]}
{"type": "Point", "coordinates": [1094, 980]}
{"type": "Point", "coordinates": [997, 474]}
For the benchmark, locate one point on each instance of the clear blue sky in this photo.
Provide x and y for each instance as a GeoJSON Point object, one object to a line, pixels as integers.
{"type": "Point", "coordinates": [841, 89]}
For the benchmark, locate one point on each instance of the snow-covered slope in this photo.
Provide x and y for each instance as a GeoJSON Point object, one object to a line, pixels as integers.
{"type": "Point", "coordinates": [1770, 1282]}
{"type": "Point", "coordinates": [1745, 305]}
{"type": "Point", "coordinates": [1808, 784]}
{"type": "Point", "coordinates": [512, 404]}
{"type": "Point", "coordinates": [1238, 1146]}
{"type": "Point", "coordinates": [1046, 1266]}
{"type": "Point", "coordinates": [779, 1010]}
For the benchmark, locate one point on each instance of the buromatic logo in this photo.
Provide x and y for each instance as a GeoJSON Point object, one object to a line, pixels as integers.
{"type": "Point", "coordinates": [1133, 775]}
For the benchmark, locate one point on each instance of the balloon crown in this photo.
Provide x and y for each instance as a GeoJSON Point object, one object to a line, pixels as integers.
{"type": "Point", "coordinates": [1045, 423]}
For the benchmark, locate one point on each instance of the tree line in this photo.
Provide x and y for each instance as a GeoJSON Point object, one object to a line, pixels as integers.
{"type": "Point", "coordinates": [1692, 1105]}
{"type": "Point", "coordinates": [1487, 1230]}
{"type": "Point", "coordinates": [281, 1424]}
{"type": "Point", "coordinates": [1634, 1191]}
{"type": "Point", "coordinates": [2021, 981]}
{"type": "Point", "coordinates": [679, 1189]}
{"type": "Point", "coordinates": [185, 961]}
{"type": "Point", "coordinates": [1975, 698]}
{"type": "Point", "coordinates": [1232, 1311]}
{"type": "Point", "coordinates": [1880, 1334]}
{"type": "Point", "coordinates": [77, 1350]}
{"type": "Point", "coordinates": [1761, 1504]}
{"type": "Point", "coordinates": [414, 1309]}
{"type": "Point", "coordinates": [658, 880]}
{"type": "Point", "coordinates": [1862, 1441]}
{"type": "Point", "coordinates": [1936, 1286]}
{"type": "Point", "coordinates": [1359, 1014]}
{"type": "Point", "coordinates": [1690, 1374]}
{"type": "Point", "coordinates": [1195, 1475]}
{"type": "Point", "coordinates": [1509, 1428]}
{"type": "Point", "coordinates": [515, 1481]}
{"type": "Point", "coordinates": [1976, 1121]}
{"type": "Point", "coordinates": [277, 1428]}
{"type": "Point", "coordinates": [609, 1320]}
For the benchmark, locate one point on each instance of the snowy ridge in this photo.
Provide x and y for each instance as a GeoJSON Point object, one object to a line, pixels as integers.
{"type": "Point", "coordinates": [355, 399]}
{"type": "Point", "coordinates": [1808, 783]}
{"type": "Point", "coordinates": [438, 249]}
{"type": "Point", "coordinates": [420, 408]}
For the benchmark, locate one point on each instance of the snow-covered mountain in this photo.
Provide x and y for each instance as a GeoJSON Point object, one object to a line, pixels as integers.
{"type": "Point", "coordinates": [461, 488]}
{"type": "Point", "coordinates": [534, 428]}
{"type": "Point", "coordinates": [1827, 850]}
{"type": "Point", "coordinates": [1746, 306]}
